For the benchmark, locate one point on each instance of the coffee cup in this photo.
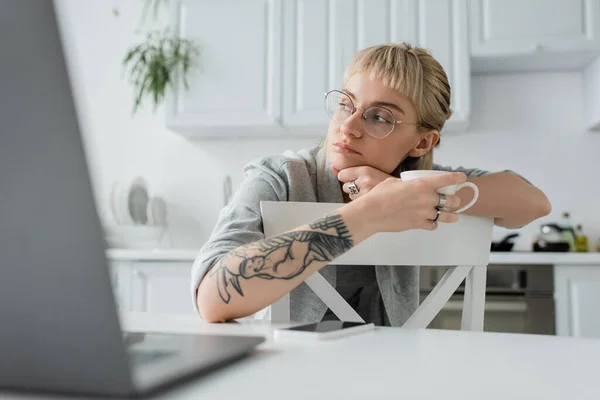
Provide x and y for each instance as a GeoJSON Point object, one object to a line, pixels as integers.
{"type": "Point", "coordinates": [451, 189]}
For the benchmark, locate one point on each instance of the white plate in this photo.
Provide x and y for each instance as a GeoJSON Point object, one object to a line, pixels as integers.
{"type": "Point", "coordinates": [137, 201]}
{"type": "Point", "coordinates": [157, 211]}
{"type": "Point", "coordinates": [118, 204]}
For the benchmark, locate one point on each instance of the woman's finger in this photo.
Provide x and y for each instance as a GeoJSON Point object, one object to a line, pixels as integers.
{"type": "Point", "coordinates": [348, 174]}
{"type": "Point", "coordinates": [452, 202]}
{"type": "Point", "coordinates": [427, 225]}
{"type": "Point", "coordinates": [444, 216]}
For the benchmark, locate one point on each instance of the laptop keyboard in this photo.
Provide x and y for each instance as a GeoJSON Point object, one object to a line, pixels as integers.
{"type": "Point", "coordinates": [141, 357]}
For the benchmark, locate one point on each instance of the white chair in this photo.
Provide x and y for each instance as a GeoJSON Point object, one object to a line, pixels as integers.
{"type": "Point", "coordinates": [464, 245]}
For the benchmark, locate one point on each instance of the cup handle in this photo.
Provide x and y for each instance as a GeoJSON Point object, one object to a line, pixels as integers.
{"type": "Point", "coordinates": [475, 196]}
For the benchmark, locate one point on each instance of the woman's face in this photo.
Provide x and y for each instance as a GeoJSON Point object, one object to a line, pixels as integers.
{"type": "Point", "coordinates": [349, 145]}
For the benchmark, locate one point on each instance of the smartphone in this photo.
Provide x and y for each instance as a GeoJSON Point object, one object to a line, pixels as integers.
{"type": "Point", "coordinates": [323, 330]}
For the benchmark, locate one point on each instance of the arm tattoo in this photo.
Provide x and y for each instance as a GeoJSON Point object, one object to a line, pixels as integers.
{"type": "Point", "coordinates": [285, 256]}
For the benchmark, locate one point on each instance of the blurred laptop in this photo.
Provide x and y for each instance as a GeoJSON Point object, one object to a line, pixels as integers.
{"type": "Point", "coordinates": [59, 329]}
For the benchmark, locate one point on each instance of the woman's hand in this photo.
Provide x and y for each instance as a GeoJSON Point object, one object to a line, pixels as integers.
{"type": "Point", "coordinates": [395, 206]}
{"type": "Point", "coordinates": [365, 178]}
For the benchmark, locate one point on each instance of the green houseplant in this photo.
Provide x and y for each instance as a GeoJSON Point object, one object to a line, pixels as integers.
{"type": "Point", "coordinates": [154, 63]}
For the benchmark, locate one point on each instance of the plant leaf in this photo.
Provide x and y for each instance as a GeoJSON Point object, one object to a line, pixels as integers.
{"type": "Point", "coordinates": [154, 64]}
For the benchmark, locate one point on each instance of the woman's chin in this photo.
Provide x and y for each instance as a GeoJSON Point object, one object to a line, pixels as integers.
{"type": "Point", "coordinates": [340, 162]}
{"type": "Point", "coordinates": [339, 165]}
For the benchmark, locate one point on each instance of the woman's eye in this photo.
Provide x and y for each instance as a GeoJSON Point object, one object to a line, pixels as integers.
{"type": "Point", "coordinates": [345, 107]}
{"type": "Point", "coordinates": [380, 119]}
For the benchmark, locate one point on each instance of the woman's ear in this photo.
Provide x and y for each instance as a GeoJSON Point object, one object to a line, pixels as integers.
{"type": "Point", "coordinates": [427, 141]}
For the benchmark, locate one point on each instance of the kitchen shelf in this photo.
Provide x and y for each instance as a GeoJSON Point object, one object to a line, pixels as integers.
{"type": "Point", "coordinates": [524, 257]}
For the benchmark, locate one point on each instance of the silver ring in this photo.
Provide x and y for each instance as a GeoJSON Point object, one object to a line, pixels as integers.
{"type": "Point", "coordinates": [442, 201]}
{"type": "Point", "coordinates": [352, 188]}
{"type": "Point", "coordinates": [436, 217]}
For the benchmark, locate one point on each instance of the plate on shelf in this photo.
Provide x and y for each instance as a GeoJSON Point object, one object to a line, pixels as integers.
{"type": "Point", "coordinates": [137, 201]}
{"type": "Point", "coordinates": [118, 204]}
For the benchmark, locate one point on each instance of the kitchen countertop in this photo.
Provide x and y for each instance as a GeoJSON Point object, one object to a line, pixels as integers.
{"type": "Point", "coordinates": [526, 257]}
{"type": "Point", "coordinates": [513, 257]}
{"type": "Point", "coordinates": [152, 254]}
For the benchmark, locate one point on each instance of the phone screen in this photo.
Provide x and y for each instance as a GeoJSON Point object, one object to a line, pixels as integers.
{"type": "Point", "coordinates": [326, 326]}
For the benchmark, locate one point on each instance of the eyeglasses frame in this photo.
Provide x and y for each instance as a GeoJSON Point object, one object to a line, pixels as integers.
{"type": "Point", "coordinates": [363, 116]}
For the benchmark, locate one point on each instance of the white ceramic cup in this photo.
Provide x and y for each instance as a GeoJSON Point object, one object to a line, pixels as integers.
{"type": "Point", "coordinates": [451, 189]}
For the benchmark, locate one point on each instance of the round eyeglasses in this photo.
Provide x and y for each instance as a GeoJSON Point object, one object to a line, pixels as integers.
{"type": "Point", "coordinates": [377, 121]}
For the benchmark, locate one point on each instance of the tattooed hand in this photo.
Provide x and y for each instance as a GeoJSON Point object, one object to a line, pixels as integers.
{"type": "Point", "coordinates": [284, 256]}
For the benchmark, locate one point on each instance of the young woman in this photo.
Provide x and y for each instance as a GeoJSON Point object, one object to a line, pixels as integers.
{"type": "Point", "coordinates": [386, 119]}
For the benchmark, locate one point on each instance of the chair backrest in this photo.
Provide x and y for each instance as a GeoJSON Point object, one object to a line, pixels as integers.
{"type": "Point", "coordinates": [466, 242]}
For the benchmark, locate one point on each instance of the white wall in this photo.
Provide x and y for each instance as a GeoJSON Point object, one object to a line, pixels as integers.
{"type": "Point", "coordinates": [531, 123]}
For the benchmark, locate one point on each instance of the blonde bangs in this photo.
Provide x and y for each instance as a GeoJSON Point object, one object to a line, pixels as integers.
{"type": "Point", "coordinates": [394, 67]}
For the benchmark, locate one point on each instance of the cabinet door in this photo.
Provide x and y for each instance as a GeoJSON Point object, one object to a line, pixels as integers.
{"type": "Point", "coordinates": [118, 283]}
{"type": "Point", "coordinates": [443, 30]}
{"type": "Point", "coordinates": [577, 298]}
{"type": "Point", "coordinates": [591, 95]}
{"type": "Point", "coordinates": [320, 39]}
{"type": "Point", "coordinates": [385, 21]}
{"type": "Point", "coordinates": [236, 87]}
{"type": "Point", "coordinates": [322, 36]}
{"type": "Point", "coordinates": [512, 27]}
{"type": "Point", "coordinates": [440, 26]}
{"type": "Point", "coordinates": [312, 63]}
{"type": "Point", "coordinates": [160, 287]}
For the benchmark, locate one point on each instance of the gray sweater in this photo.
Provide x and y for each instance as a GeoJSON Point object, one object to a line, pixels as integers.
{"type": "Point", "coordinates": [301, 176]}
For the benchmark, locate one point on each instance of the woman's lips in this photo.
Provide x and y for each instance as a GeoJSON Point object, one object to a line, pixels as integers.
{"type": "Point", "coordinates": [344, 148]}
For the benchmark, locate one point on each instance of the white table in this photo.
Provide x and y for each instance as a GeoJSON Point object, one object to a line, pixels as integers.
{"type": "Point", "coordinates": [395, 363]}
{"type": "Point", "coordinates": [392, 363]}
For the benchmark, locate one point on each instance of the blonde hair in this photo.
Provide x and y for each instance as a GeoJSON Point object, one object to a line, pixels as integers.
{"type": "Point", "coordinates": [415, 73]}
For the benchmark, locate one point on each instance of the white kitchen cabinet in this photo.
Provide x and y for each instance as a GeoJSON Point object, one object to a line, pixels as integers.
{"type": "Point", "coordinates": [156, 282]}
{"type": "Point", "coordinates": [591, 95]}
{"type": "Point", "coordinates": [322, 36]}
{"type": "Point", "coordinates": [268, 74]}
{"type": "Point", "coordinates": [577, 300]}
{"type": "Point", "coordinates": [442, 28]}
{"type": "Point", "coordinates": [315, 51]}
{"type": "Point", "coordinates": [533, 34]}
{"type": "Point", "coordinates": [320, 39]}
{"type": "Point", "coordinates": [236, 85]}
{"type": "Point", "coordinates": [153, 286]}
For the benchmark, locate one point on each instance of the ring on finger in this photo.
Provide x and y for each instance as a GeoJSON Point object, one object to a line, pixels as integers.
{"type": "Point", "coordinates": [436, 217]}
{"type": "Point", "coordinates": [352, 188]}
{"type": "Point", "coordinates": [442, 201]}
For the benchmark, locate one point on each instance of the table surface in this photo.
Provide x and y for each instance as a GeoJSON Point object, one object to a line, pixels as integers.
{"type": "Point", "coordinates": [391, 363]}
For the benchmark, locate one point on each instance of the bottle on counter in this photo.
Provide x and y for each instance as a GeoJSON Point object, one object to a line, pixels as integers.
{"type": "Point", "coordinates": [581, 240]}
{"type": "Point", "coordinates": [568, 233]}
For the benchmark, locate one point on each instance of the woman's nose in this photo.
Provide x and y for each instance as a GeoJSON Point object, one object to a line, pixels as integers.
{"type": "Point", "coordinates": [353, 125]}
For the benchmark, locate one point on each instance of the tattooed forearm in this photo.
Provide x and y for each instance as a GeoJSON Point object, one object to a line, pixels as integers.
{"type": "Point", "coordinates": [284, 256]}
{"type": "Point", "coordinates": [332, 221]}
